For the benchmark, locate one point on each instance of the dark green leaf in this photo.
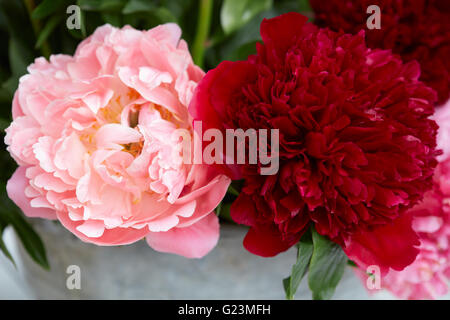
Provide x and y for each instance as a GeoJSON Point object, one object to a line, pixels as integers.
{"type": "Point", "coordinates": [17, 21]}
{"type": "Point", "coordinates": [19, 57]}
{"type": "Point", "coordinates": [138, 6]}
{"type": "Point", "coordinates": [114, 19]}
{"type": "Point", "coordinates": [10, 85]}
{"type": "Point", "coordinates": [224, 212]}
{"type": "Point", "coordinates": [304, 6]}
{"type": "Point", "coordinates": [5, 96]}
{"type": "Point", "coordinates": [243, 51]}
{"type": "Point", "coordinates": [228, 48]}
{"type": "Point", "coordinates": [3, 248]}
{"type": "Point", "coordinates": [304, 253]}
{"type": "Point", "coordinates": [83, 24]}
{"type": "Point", "coordinates": [232, 190]}
{"type": "Point", "coordinates": [351, 263]}
{"type": "Point", "coordinates": [47, 7]}
{"type": "Point", "coordinates": [51, 24]}
{"type": "Point", "coordinates": [327, 266]}
{"type": "Point", "coordinates": [102, 5]}
{"type": "Point", "coordinates": [29, 238]}
{"type": "Point", "coordinates": [4, 124]}
{"type": "Point", "coordinates": [165, 15]}
{"type": "Point", "coordinates": [236, 13]}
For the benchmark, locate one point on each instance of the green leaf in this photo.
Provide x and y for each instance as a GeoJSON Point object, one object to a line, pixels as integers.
{"type": "Point", "coordinates": [224, 212]}
{"type": "Point", "coordinates": [6, 252]}
{"type": "Point", "coordinates": [304, 6]}
{"type": "Point", "coordinates": [16, 20]}
{"type": "Point", "coordinates": [101, 5]}
{"type": "Point", "coordinates": [29, 238]}
{"type": "Point", "coordinates": [19, 57]}
{"type": "Point", "coordinates": [51, 24]}
{"type": "Point", "coordinates": [10, 85]}
{"type": "Point", "coordinates": [352, 263]}
{"type": "Point", "coordinates": [47, 7]}
{"type": "Point", "coordinates": [114, 19]}
{"type": "Point", "coordinates": [304, 253]}
{"type": "Point", "coordinates": [165, 15]}
{"type": "Point", "coordinates": [327, 266]}
{"type": "Point", "coordinates": [236, 13]}
{"type": "Point", "coordinates": [232, 190]}
{"type": "Point", "coordinates": [242, 52]}
{"type": "Point", "coordinates": [233, 47]}
{"type": "Point", "coordinates": [4, 124]}
{"type": "Point", "coordinates": [138, 6]}
{"type": "Point", "coordinates": [3, 247]}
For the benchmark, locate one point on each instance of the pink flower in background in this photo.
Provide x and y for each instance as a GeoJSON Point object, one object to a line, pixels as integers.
{"type": "Point", "coordinates": [428, 276]}
{"type": "Point", "coordinates": [92, 135]}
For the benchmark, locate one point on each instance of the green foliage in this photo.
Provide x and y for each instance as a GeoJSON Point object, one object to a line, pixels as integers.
{"type": "Point", "coordinates": [304, 253]}
{"type": "Point", "coordinates": [236, 13]}
{"type": "Point", "coordinates": [233, 38]}
{"type": "Point", "coordinates": [3, 248]}
{"type": "Point", "coordinates": [327, 266]}
{"type": "Point", "coordinates": [11, 215]}
{"type": "Point", "coordinates": [323, 260]}
{"type": "Point", "coordinates": [47, 7]}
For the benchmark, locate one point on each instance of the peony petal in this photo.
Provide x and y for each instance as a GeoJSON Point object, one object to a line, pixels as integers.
{"type": "Point", "coordinates": [110, 237]}
{"type": "Point", "coordinates": [109, 135]}
{"type": "Point", "coordinates": [279, 33]}
{"type": "Point", "coordinates": [389, 246]}
{"type": "Point", "coordinates": [194, 241]}
{"type": "Point", "coordinates": [16, 192]}
{"type": "Point", "coordinates": [266, 241]}
{"type": "Point", "coordinates": [92, 228]}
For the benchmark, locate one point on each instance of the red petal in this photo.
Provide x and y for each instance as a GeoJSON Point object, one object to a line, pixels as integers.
{"type": "Point", "coordinates": [213, 94]}
{"type": "Point", "coordinates": [279, 32]}
{"type": "Point", "coordinates": [266, 241]}
{"type": "Point", "coordinates": [243, 210]}
{"type": "Point", "coordinates": [388, 246]}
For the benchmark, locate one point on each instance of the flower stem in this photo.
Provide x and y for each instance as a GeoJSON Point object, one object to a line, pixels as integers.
{"type": "Point", "coordinates": [203, 24]}
{"type": "Point", "coordinates": [36, 24]}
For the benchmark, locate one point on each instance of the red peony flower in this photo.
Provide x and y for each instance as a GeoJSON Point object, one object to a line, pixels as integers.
{"type": "Point", "coordinates": [356, 146]}
{"type": "Point", "coordinates": [415, 29]}
{"type": "Point", "coordinates": [428, 276]}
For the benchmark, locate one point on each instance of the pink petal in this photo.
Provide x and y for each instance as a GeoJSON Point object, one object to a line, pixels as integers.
{"type": "Point", "coordinates": [92, 228]}
{"type": "Point", "coordinates": [112, 134]}
{"type": "Point", "coordinates": [169, 33]}
{"type": "Point", "coordinates": [208, 201]}
{"type": "Point", "coordinates": [110, 237]}
{"type": "Point", "coordinates": [194, 241]}
{"type": "Point", "coordinates": [16, 192]}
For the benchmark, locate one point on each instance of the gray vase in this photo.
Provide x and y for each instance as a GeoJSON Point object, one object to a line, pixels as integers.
{"type": "Point", "coordinates": [138, 272]}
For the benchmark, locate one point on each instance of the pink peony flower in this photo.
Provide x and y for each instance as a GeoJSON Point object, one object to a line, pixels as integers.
{"type": "Point", "coordinates": [92, 135]}
{"type": "Point", "coordinates": [428, 276]}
